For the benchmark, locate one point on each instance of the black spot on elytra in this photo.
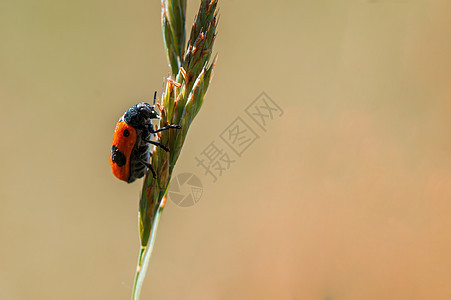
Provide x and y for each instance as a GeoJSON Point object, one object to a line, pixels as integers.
{"type": "Point", "coordinates": [117, 156]}
{"type": "Point", "coordinates": [126, 133]}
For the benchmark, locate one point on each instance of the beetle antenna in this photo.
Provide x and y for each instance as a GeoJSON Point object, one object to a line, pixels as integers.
{"type": "Point", "coordinates": [154, 97]}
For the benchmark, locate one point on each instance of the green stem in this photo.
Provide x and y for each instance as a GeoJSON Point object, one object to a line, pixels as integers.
{"type": "Point", "coordinates": [145, 253]}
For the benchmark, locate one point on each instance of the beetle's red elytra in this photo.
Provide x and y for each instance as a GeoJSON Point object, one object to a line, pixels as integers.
{"type": "Point", "coordinates": [124, 140]}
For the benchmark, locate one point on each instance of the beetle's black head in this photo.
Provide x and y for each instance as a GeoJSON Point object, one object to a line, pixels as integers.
{"type": "Point", "coordinates": [141, 114]}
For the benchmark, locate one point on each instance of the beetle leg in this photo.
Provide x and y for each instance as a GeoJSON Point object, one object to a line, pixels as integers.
{"type": "Point", "coordinates": [165, 128]}
{"type": "Point", "coordinates": [157, 144]}
{"type": "Point", "coordinates": [149, 166]}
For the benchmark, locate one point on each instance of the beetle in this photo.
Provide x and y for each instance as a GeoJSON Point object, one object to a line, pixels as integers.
{"type": "Point", "coordinates": [131, 149]}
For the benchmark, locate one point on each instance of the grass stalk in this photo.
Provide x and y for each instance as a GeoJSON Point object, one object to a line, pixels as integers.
{"type": "Point", "coordinates": [183, 95]}
{"type": "Point", "coordinates": [144, 256]}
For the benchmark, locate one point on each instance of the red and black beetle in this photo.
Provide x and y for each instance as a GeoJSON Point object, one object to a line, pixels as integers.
{"type": "Point", "coordinates": [131, 149]}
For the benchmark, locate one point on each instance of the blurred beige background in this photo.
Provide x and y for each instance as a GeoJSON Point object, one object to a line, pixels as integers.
{"type": "Point", "coordinates": [346, 196]}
